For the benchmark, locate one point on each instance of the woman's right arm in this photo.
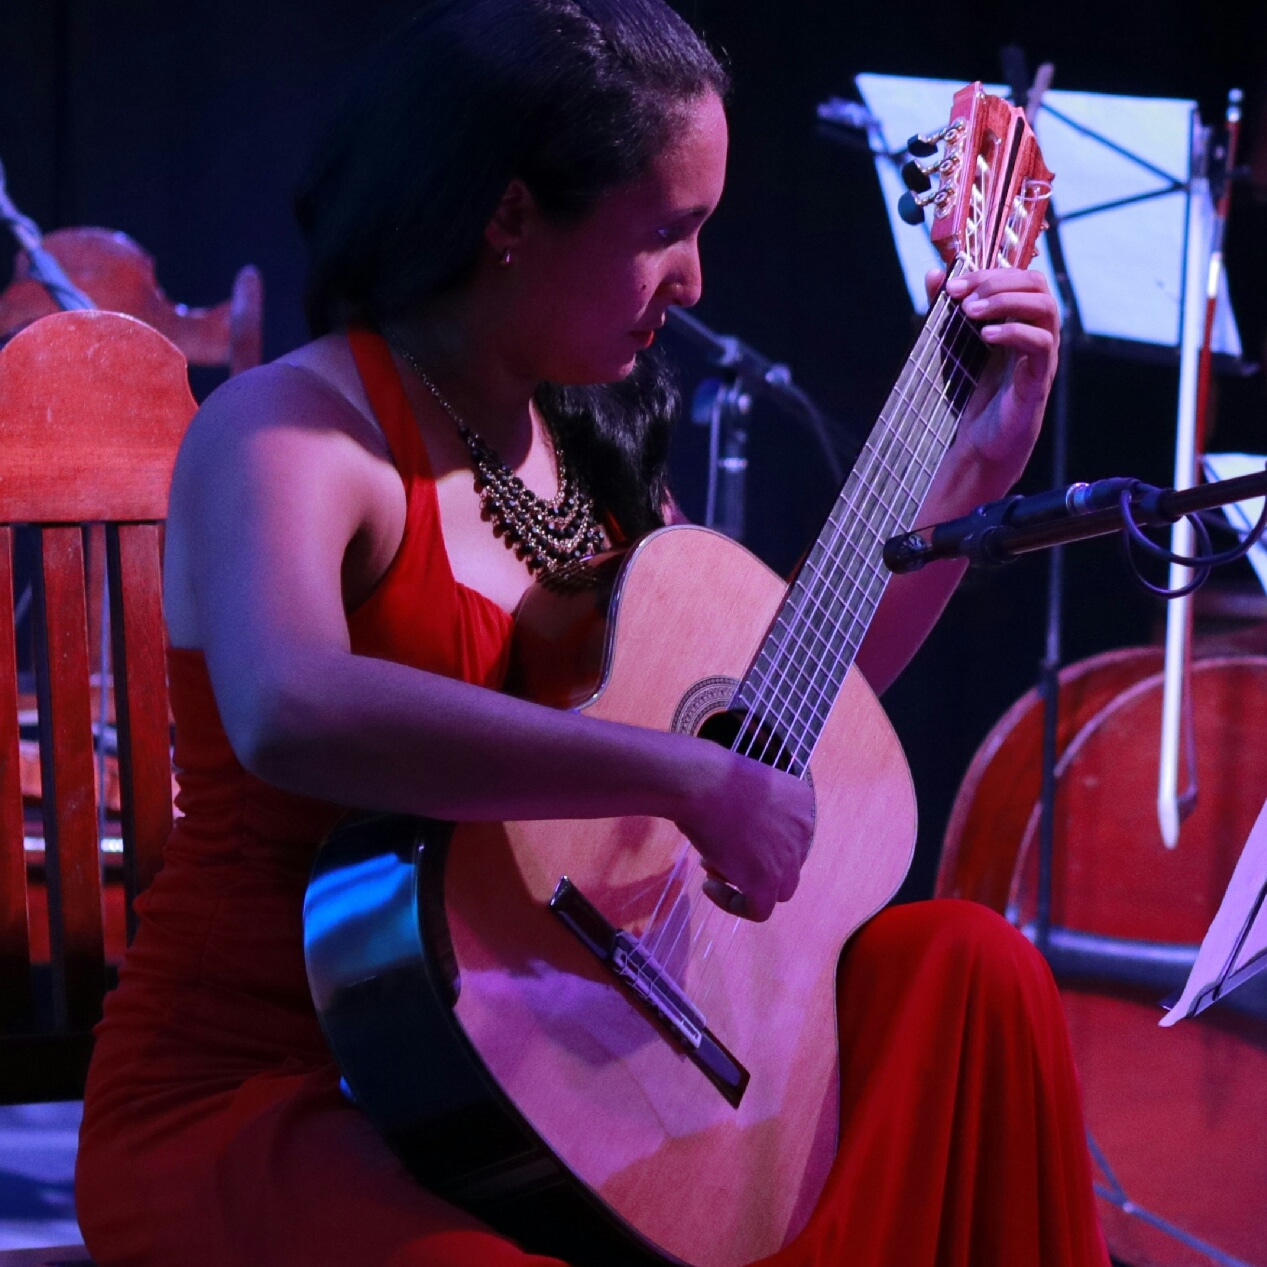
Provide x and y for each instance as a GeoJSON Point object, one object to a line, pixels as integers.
{"type": "Point", "coordinates": [272, 496]}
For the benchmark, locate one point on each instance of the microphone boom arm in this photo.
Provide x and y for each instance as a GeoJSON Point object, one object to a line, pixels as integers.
{"type": "Point", "coordinates": [998, 532]}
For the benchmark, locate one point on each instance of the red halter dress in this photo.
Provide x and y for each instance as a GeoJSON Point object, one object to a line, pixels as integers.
{"type": "Point", "coordinates": [214, 1132]}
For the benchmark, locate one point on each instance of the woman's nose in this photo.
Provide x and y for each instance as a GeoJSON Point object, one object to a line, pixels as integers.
{"type": "Point", "coordinates": [687, 278]}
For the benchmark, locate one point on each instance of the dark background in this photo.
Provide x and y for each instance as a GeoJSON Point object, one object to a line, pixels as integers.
{"type": "Point", "coordinates": [186, 124]}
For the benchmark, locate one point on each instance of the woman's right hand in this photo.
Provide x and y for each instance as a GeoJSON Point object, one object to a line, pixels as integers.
{"type": "Point", "coordinates": [752, 830]}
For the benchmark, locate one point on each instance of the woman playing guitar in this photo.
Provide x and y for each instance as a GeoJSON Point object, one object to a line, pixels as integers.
{"type": "Point", "coordinates": [498, 226]}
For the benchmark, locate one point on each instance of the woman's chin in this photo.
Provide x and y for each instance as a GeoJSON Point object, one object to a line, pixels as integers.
{"type": "Point", "coordinates": [595, 375]}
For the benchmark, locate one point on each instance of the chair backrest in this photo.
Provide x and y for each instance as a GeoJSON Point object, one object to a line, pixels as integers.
{"type": "Point", "coordinates": [93, 406]}
{"type": "Point", "coordinates": [117, 275]}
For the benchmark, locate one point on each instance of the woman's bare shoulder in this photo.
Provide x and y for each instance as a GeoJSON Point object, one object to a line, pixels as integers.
{"type": "Point", "coordinates": [279, 465]}
{"type": "Point", "coordinates": [289, 441]}
{"type": "Point", "coordinates": [314, 389]}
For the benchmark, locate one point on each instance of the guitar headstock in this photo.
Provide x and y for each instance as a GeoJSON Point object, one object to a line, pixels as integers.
{"type": "Point", "coordinates": [991, 202]}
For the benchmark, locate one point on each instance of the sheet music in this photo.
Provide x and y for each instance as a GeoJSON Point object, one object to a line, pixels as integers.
{"type": "Point", "coordinates": [1121, 166]}
{"type": "Point", "coordinates": [1242, 904]}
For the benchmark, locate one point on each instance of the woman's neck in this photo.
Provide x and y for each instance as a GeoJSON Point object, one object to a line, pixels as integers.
{"type": "Point", "coordinates": [470, 371]}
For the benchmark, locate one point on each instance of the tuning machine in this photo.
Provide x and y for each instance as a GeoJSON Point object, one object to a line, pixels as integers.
{"type": "Point", "coordinates": [918, 177]}
{"type": "Point", "coordinates": [910, 206]}
{"type": "Point", "coordinates": [920, 192]}
{"type": "Point", "coordinates": [924, 144]}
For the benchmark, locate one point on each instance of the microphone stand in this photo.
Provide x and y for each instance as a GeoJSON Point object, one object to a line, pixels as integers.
{"type": "Point", "coordinates": [723, 404]}
{"type": "Point", "coordinates": [43, 268]}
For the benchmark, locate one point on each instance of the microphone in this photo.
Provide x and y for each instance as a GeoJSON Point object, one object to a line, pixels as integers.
{"type": "Point", "coordinates": [729, 353]}
{"type": "Point", "coordinates": [980, 535]}
{"type": "Point", "coordinates": [847, 114]}
{"type": "Point", "coordinates": [850, 123]}
{"type": "Point", "coordinates": [754, 372]}
{"type": "Point", "coordinates": [1060, 503]}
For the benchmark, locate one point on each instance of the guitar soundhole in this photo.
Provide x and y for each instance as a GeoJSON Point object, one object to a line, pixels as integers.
{"type": "Point", "coordinates": [760, 742]}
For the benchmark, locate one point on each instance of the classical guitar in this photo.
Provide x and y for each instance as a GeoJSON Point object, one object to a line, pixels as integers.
{"type": "Point", "coordinates": [548, 1020]}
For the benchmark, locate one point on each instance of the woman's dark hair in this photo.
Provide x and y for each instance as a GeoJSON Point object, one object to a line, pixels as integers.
{"type": "Point", "coordinates": [573, 97]}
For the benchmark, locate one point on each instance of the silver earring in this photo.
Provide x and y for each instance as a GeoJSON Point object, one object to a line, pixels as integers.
{"type": "Point", "coordinates": [507, 258]}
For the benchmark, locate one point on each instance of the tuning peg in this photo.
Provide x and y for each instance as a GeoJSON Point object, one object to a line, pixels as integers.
{"type": "Point", "coordinates": [923, 146]}
{"type": "Point", "coordinates": [911, 208]}
{"type": "Point", "coordinates": [915, 177]}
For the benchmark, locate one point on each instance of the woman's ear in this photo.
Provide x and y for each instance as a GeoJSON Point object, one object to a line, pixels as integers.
{"type": "Point", "coordinates": [510, 223]}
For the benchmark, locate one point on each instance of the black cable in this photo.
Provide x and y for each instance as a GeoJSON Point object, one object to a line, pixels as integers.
{"type": "Point", "coordinates": [1203, 562]}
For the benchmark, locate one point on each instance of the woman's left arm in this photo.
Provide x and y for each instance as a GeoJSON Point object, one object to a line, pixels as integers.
{"type": "Point", "coordinates": [996, 435]}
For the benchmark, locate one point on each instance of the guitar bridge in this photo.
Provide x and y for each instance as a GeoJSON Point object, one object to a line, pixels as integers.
{"type": "Point", "coordinates": [653, 987]}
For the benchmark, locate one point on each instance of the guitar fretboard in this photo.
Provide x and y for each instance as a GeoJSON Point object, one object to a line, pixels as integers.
{"type": "Point", "coordinates": [788, 692]}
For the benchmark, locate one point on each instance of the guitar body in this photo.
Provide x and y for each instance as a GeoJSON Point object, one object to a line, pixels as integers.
{"type": "Point", "coordinates": [585, 1076]}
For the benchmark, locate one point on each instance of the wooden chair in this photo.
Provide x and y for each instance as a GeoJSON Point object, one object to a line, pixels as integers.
{"type": "Point", "coordinates": [93, 406]}
{"type": "Point", "coordinates": [118, 276]}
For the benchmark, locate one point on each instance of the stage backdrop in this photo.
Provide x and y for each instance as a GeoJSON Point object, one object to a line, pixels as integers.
{"type": "Point", "coordinates": [186, 125]}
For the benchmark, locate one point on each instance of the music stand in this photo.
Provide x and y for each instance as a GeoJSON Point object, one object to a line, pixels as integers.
{"type": "Point", "coordinates": [1123, 166]}
{"type": "Point", "coordinates": [1242, 516]}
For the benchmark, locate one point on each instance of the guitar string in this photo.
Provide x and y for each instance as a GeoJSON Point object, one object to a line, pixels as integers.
{"type": "Point", "coordinates": [943, 350]}
{"type": "Point", "coordinates": [836, 633]}
{"type": "Point", "coordinates": [888, 475]}
{"type": "Point", "coordinates": [820, 610]}
{"type": "Point", "coordinates": [881, 487]}
{"type": "Point", "coordinates": [825, 623]}
{"type": "Point", "coordinates": [927, 443]}
{"type": "Point", "coordinates": [720, 953]}
{"type": "Point", "coordinates": [929, 440]}
{"type": "Point", "coordinates": [834, 637]}
{"type": "Point", "coordinates": [873, 487]}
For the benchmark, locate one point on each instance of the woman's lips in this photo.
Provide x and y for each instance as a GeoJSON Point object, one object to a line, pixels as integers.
{"type": "Point", "coordinates": [644, 338]}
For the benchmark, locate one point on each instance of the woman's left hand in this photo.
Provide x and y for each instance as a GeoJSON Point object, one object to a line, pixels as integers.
{"type": "Point", "coordinates": [1020, 322]}
{"type": "Point", "coordinates": [1019, 318]}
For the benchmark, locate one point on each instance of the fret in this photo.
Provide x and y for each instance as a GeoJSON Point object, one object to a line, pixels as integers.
{"type": "Point", "coordinates": [818, 677]}
{"type": "Point", "coordinates": [914, 454]}
{"type": "Point", "coordinates": [890, 469]}
{"type": "Point", "coordinates": [828, 641]}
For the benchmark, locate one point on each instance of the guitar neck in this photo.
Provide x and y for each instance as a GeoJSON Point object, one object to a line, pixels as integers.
{"type": "Point", "coordinates": [798, 672]}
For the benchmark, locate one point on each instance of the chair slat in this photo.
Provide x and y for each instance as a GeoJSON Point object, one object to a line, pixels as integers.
{"type": "Point", "coordinates": [140, 685]}
{"type": "Point", "coordinates": [15, 949]}
{"type": "Point", "coordinates": [69, 802]}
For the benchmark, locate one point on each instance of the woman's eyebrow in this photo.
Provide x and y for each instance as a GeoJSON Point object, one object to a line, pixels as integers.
{"type": "Point", "coordinates": [700, 212]}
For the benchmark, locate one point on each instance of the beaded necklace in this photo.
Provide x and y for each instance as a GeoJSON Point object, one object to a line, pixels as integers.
{"type": "Point", "coordinates": [548, 535]}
